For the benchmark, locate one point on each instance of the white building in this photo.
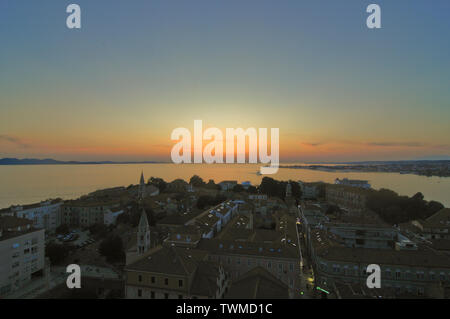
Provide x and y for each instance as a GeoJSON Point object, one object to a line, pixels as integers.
{"type": "Point", "coordinates": [225, 211]}
{"type": "Point", "coordinates": [46, 214]}
{"type": "Point", "coordinates": [246, 184]}
{"type": "Point", "coordinates": [22, 252]}
{"type": "Point", "coordinates": [110, 216]}
{"type": "Point", "coordinates": [352, 182]}
{"type": "Point", "coordinates": [257, 196]}
{"type": "Point", "coordinates": [309, 190]}
{"type": "Point", "coordinates": [227, 185]}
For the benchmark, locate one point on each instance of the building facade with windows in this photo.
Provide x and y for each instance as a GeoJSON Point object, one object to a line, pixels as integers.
{"type": "Point", "coordinates": [413, 272]}
{"type": "Point", "coordinates": [350, 198]}
{"type": "Point", "coordinates": [46, 214]}
{"type": "Point", "coordinates": [22, 252]}
{"type": "Point", "coordinates": [168, 272]}
{"type": "Point", "coordinates": [85, 213]}
{"type": "Point", "coordinates": [436, 226]}
{"type": "Point", "coordinates": [239, 257]}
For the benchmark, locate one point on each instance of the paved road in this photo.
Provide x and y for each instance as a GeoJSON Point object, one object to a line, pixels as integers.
{"type": "Point", "coordinates": [307, 293]}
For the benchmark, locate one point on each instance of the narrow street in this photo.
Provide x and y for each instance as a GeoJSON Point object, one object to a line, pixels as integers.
{"type": "Point", "coordinates": [306, 288]}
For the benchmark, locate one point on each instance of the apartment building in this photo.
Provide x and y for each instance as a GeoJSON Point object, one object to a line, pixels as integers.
{"type": "Point", "coordinates": [227, 185]}
{"type": "Point", "coordinates": [225, 211]}
{"type": "Point", "coordinates": [85, 213]}
{"type": "Point", "coordinates": [168, 272]}
{"type": "Point", "coordinates": [46, 214]}
{"type": "Point", "coordinates": [352, 182]}
{"type": "Point", "coordinates": [436, 226]}
{"type": "Point", "coordinates": [309, 190]}
{"type": "Point", "coordinates": [352, 199]}
{"type": "Point", "coordinates": [22, 252]}
{"type": "Point", "coordinates": [279, 259]}
{"type": "Point", "coordinates": [411, 271]}
{"type": "Point", "coordinates": [364, 235]}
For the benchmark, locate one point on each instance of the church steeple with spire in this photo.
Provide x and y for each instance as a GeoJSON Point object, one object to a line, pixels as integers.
{"type": "Point", "coordinates": [143, 234]}
{"type": "Point", "coordinates": [141, 191]}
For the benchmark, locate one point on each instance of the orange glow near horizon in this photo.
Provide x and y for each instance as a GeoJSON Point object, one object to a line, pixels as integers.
{"type": "Point", "coordinates": [157, 147]}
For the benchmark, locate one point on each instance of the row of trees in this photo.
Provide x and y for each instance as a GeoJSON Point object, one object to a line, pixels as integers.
{"type": "Point", "coordinates": [268, 186]}
{"type": "Point", "coordinates": [112, 248]}
{"type": "Point", "coordinates": [272, 187]}
{"type": "Point", "coordinates": [133, 215]}
{"type": "Point", "coordinates": [396, 209]}
{"type": "Point", "coordinates": [207, 200]}
{"type": "Point", "coordinates": [195, 181]}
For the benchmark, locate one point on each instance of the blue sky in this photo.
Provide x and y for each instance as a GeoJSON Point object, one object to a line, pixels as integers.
{"type": "Point", "coordinates": [138, 69]}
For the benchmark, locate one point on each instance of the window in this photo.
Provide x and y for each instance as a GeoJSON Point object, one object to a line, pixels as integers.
{"type": "Point", "coordinates": [180, 283]}
{"type": "Point", "coordinates": [153, 280]}
{"type": "Point", "coordinates": [420, 291]}
{"type": "Point", "coordinates": [139, 292]}
{"type": "Point", "coordinates": [152, 294]}
{"type": "Point", "coordinates": [180, 296]}
{"type": "Point", "coordinates": [140, 278]}
{"type": "Point", "coordinates": [166, 296]}
{"type": "Point", "coordinates": [166, 281]}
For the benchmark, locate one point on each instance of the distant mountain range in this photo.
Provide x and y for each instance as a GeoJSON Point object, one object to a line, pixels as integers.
{"type": "Point", "coordinates": [49, 161]}
{"type": "Point", "coordinates": [418, 161]}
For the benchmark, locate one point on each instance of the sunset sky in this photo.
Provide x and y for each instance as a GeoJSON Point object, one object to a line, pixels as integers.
{"type": "Point", "coordinates": [136, 70]}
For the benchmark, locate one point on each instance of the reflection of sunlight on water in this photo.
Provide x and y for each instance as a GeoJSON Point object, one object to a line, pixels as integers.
{"type": "Point", "coordinates": [32, 183]}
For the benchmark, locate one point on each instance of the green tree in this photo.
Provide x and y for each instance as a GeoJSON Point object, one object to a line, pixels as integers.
{"type": "Point", "coordinates": [252, 189]}
{"type": "Point", "coordinates": [396, 209]}
{"type": "Point", "coordinates": [197, 181]}
{"type": "Point", "coordinates": [56, 252]}
{"type": "Point", "coordinates": [212, 185]}
{"type": "Point", "coordinates": [296, 190]}
{"type": "Point", "coordinates": [99, 230]}
{"type": "Point", "coordinates": [272, 187]}
{"type": "Point", "coordinates": [158, 182]}
{"type": "Point", "coordinates": [63, 229]}
{"type": "Point", "coordinates": [112, 249]}
{"type": "Point", "coordinates": [207, 201]}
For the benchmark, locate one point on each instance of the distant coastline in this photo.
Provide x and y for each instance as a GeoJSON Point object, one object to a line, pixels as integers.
{"type": "Point", "coordinates": [49, 161]}
{"type": "Point", "coordinates": [439, 168]}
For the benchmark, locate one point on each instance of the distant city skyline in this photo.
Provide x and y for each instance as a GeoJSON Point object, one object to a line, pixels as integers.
{"type": "Point", "coordinates": [115, 90]}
